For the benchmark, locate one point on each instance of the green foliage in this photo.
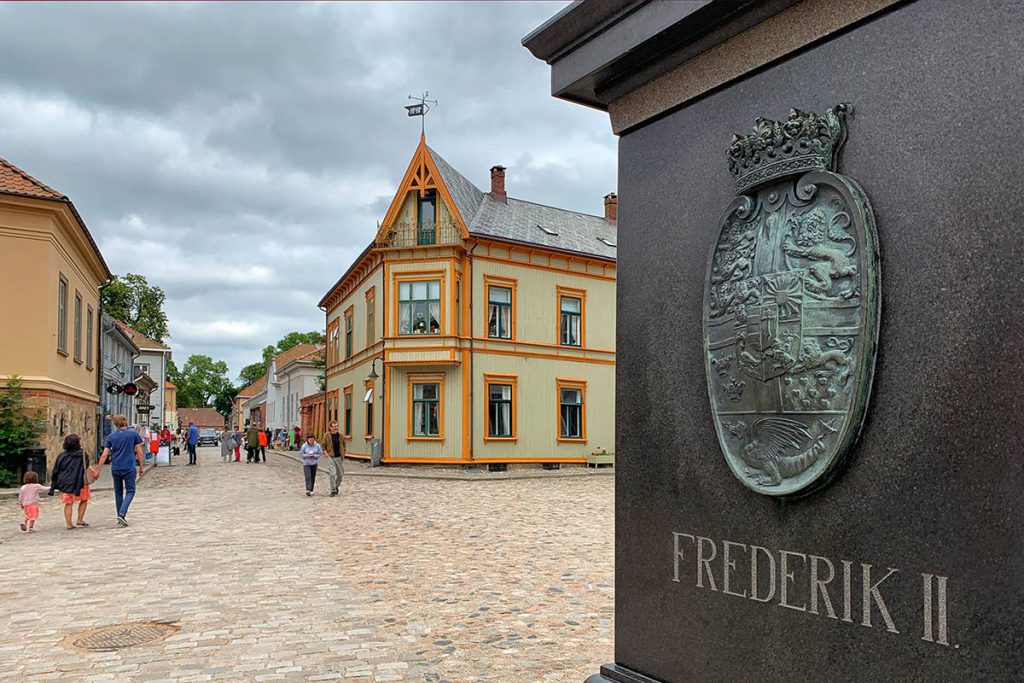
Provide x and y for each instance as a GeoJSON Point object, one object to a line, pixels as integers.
{"type": "Point", "coordinates": [18, 429]}
{"type": "Point", "coordinates": [132, 300]}
{"type": "Point", "coordinates": [250, 373]}
{"type": "Point", "coordinates": [201, 380]}
{"type": "Point", "coordinates": [320, 361]}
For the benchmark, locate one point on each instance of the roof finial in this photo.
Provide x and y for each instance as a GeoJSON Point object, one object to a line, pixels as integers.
{"type": "Point", "coordinates": [421, 109]}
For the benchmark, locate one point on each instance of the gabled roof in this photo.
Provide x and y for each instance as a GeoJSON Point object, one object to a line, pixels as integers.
{"type": "Point", "coordinates": [253, 389]}
{"type": "Point", "coordinates": [169, 385]}
{"type": "Point", "coordinates": [465, 194]}
{"type": "Point", "coordinates": [141, 340]}
{"type": "Point", "coordinates": [200, 416]}
{"type": "Point", "coordinates": [296, 353]}
{"type": "Point", "coordinates": [15, 181]}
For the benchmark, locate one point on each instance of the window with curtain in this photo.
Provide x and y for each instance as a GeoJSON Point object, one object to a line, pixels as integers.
{"type": "Point", "coordinates": [419, 307]}
{"type": "Point", "coordinates": [368, 403]}
{"type": "Point", "coordinates": [499, 410]}
{"type": "Point", "coordinates": [78, 327]}
{"type": "Point", "coordinates": [571, 413]}
{"type": "Point", "coordinates": [499, 312]}
{"type": "Point", "coordinates": [62, 315]}
{"type": "Point", "coordinates": [425, 409]}
{"type": "Point", "coordinates": [333, 342]}
{"type": "Point", "coordinates": [371, 334]}
{"type": "Point", "coordinates": [426, 232]}
{"type": "Point", "coordinates": [571, 308]}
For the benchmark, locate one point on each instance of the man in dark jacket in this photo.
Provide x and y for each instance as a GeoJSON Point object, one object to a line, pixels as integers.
{"type": "Point", "coordinates": [335, 452]}
{"type": "Point", "coordinates": [252, 443]}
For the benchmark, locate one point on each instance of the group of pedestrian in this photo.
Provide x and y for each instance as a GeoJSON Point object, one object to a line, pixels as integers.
{"type": "Point", "coordinates": [72, 475]}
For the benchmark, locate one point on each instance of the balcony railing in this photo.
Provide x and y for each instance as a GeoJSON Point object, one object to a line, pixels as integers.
{"type": "Point", "coordinates": [411, 234]}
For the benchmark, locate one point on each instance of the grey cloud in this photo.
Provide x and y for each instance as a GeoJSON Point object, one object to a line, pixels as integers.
{"type": "Point", "coordinates": [240, 155]}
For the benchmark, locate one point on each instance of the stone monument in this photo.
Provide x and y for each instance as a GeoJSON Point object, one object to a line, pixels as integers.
{"type": "Point", "coordinates": [819, 381]}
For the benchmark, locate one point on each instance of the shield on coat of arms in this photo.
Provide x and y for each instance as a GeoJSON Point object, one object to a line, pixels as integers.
{"type": "Point", "coordinates": [791, 307]}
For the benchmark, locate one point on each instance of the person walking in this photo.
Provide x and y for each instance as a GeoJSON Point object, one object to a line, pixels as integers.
{"type": "Point", "coordinates": [310, 454]}
{"type": "Point", "coordinates": [123, 447]}
{"type": "Point", "coordinates": [237, 436]}
{"type": "Point", "coordinates": [262, 436]}
{"type": "Point", "coordinates": [252, 443]}
{"type": "Point", "coordinates": [28, 500]}
{"type": "Point", "coordinates": [227, 444]}
{"type": "Point", "coordinates": [193, 441]}
{"type": "Point", "coordinates": [68, 477]}
{"type": "Point", "coordinates": [335, 458]}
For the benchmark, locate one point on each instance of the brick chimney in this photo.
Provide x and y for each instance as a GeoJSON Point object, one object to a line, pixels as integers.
{"type": "Point", "coordinates": [611, 208]}
{"type": "Point", "coordinates": [498, 184]}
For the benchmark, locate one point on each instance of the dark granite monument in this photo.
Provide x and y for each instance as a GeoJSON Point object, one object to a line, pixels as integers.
{"type": "Point", "coordinates": [820, 322]}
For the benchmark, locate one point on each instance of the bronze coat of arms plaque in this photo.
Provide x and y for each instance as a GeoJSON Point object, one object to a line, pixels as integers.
{"type": "Point", "coordinates": [791, 306]}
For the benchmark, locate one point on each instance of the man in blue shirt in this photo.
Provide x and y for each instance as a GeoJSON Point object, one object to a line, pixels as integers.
{"type": "Point", "coordinates": [123, 448]}
{"type": "Point", "coordinates": [193, 441]}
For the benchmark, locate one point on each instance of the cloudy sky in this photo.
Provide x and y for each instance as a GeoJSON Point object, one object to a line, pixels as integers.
{"type": "Point", "coordinates": [240, 155]}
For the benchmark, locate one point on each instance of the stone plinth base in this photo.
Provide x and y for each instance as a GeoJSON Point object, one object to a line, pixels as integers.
{"type": "Point", "coordinates": [613, 673]}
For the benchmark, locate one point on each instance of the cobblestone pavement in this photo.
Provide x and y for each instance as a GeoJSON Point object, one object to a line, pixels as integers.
{"type": "Point", "coordinates": [395, 580]}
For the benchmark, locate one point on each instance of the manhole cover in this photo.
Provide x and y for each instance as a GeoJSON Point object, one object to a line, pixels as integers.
{"type": "Point", "coordinates": [107, 638]}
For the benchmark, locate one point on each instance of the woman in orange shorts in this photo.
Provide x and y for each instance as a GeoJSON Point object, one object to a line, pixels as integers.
{"type": "Point", "coordinates": [69, 478]}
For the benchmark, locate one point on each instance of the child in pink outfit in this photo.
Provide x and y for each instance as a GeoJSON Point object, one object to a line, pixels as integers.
{"type": "Point", "coordinates": [28, 499]}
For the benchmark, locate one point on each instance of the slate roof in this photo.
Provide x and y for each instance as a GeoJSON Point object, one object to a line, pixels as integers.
{"type": "Point", "coordinates": [141, 340]}
{"type": "Point", "coordinates": [525, 222]}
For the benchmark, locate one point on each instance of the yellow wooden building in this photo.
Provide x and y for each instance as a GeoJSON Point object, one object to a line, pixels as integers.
{"type": "Point", "coordinates": [476, 328]}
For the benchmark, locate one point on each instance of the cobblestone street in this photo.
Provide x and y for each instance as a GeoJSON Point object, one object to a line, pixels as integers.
{"type": "Point", "coordinates": [396, 580]}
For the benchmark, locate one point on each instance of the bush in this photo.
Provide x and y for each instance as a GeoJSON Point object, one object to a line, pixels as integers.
{"type": "Point", "coordinates": [18, 430]}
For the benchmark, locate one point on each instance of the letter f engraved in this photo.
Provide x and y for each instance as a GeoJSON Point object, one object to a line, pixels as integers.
{"type": "Point", "coordinates": [677, 553]}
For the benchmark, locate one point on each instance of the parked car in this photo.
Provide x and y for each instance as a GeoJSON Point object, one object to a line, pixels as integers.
{"type": "Point", "coordinates": [208, 437]}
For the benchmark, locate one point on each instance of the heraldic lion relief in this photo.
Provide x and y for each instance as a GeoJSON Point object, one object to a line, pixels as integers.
{"type": "Point", "coordinates": [791, 306]}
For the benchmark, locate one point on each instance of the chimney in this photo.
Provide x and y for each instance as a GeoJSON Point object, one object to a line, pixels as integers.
{"type": "Point", "coordinates": [498, 184]}
{"type": "Point", "coordinates": [611, 208]}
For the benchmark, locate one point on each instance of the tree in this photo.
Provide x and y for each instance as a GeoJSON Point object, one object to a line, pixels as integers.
{"type": "Point", "coordinates": [250, 373]}
{"type": "Point", "coordinates": [132, 300]}
{"type": "Point", "coordinates": [18, 429]}
{"type": "Point", "coordinates": [201, 380]}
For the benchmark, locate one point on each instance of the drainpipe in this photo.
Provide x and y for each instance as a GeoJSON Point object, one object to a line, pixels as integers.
{"type": "Point", "coordinates": [100, 390]}
{"type": "Point", "coordinates": [470, 323]}
{"type": "Point", "coordinates": [324, 309]}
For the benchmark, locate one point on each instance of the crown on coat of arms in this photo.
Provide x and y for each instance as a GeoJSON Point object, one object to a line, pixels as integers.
{"type": "Point", "coordinates": [803, 142]}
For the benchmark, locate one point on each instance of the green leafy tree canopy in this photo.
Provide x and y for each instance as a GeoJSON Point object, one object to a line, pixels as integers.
{"type": "Point", "coordinates": [18, 429]}
{"type": "Point", "coordinates": [201, 380]}
{"type": "Point", "coordinates": [132, 300]}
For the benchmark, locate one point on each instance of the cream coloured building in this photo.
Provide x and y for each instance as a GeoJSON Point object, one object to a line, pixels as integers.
{"type": "Point", "coordinates": [50, 274]}
{"type": "Point", "coordinates": [488, 321]}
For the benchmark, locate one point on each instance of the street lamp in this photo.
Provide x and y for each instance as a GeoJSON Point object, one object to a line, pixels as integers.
{"type": "Point", "coordinates": [373, 371]}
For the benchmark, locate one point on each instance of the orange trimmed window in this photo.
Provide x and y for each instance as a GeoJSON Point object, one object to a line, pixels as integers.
{"type": "Point", "coordinates": [426, 217]}
{"type": "Point", "coordinates": [332, 405]}
{"type": "Point", "coordinates": [371, 314]}
{"type": "Point", "coordinates": [426, 408]}
{"type": "Point", "coordinates": [501, 407]}
{"type": "Point", "coordinates": [501, 307]}
{"type": "Point", "coordinates": [572, 410]}
{"type": "Point", "coordinates": [572, 316]}
{"type": "Point", "coordinates": [333, 342]}
{"type": "Point", "coordinates": [420, 308]}
{"type": "Point", "coordinates": [348, 332]}
{"type": "Point", "coordinates": [368, 407]}
{"type": "Point", "coordinates": [348, 412]}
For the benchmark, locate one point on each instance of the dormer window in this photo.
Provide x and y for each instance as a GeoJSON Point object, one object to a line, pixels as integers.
{"type": "Point", "coordinates": [426, 218]}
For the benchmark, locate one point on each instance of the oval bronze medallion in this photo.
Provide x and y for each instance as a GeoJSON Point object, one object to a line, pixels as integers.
{"type": "Point", "coordinates": [791, 305]}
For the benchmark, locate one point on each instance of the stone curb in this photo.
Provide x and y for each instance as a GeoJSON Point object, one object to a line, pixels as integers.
{"type": "Point", "coordinates": [13, 493]}
{"type": "Point", "coordinates": [454, 475]}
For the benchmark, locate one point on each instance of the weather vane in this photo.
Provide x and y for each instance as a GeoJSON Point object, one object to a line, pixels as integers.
{"type": "Point", "coordinates": [420, 109]}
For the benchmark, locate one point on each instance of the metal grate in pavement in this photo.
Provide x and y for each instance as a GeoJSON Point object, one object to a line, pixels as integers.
{"type": "Point", "coordinates": [110, 638]}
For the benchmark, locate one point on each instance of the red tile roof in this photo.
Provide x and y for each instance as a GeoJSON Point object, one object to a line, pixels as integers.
{"type": "Point", "coordinates": [201, 417]}
{"type": "Point", "coordinates": [300, 352]}
{"type": "Point", "coordinates": [254, 388]}
{"type": "Point", "coordinates": [15, 181]}
{"type": "Point", "coordinates": [141, 340]}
